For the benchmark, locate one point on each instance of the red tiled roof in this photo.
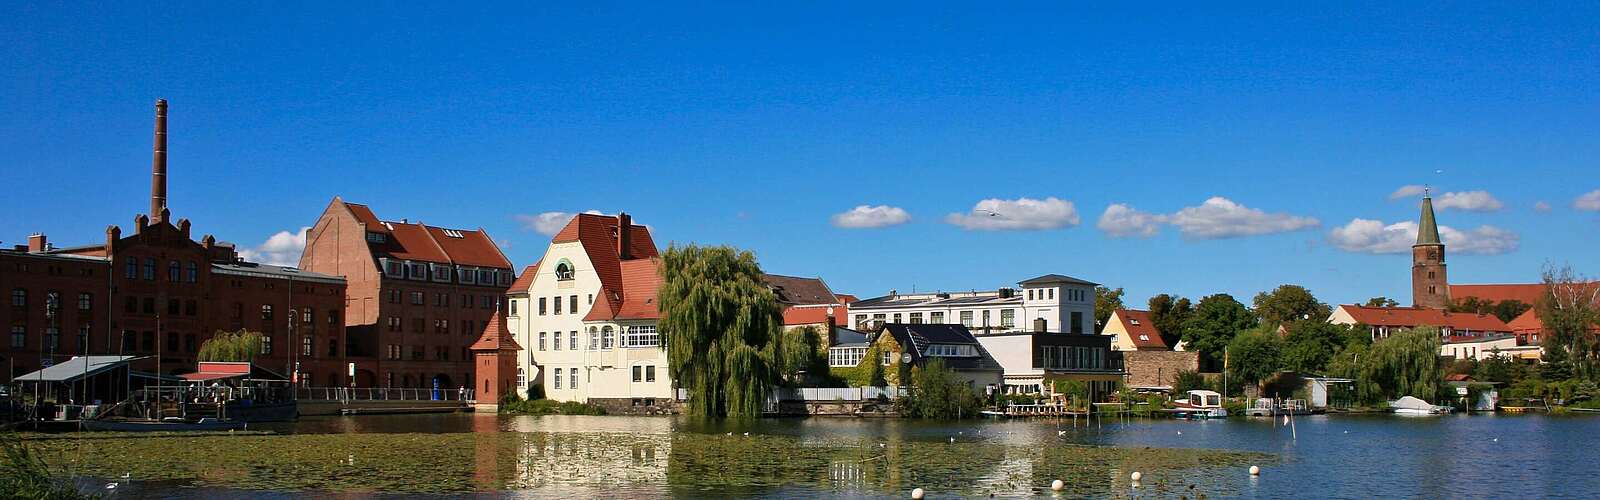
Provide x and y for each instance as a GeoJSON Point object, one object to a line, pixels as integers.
{"type": "Point", "coordinates": [640, 279]}
{"type": "Point", "coordinates": [1406, 317]}
{"type": "Point", "coordinates": [496, 337]}
{"type": "Point", "coordinates": [365, 216]}
{"type": "Point", "coordinates": [525, 280]}
{"type": "Point", "coordinates": [473, 248]}
{"type": "Point", "coordinates": [814, 315]}
{"type": "Point", "coordinates": [1528, 293]}
{"type": "Point", "coordinates": [800, 291]}
{"type": "Point", "coordinates": [1528, 321]}
{"type": "Point", "coordinates": [423, 243]}
{"type": "Point", "coordinates": [845, 298]}
{"type": "Point", "coordinates": [412, 242]}
{"type": "Point", "coordinates": [598, 234]}
{"type": "Point", "coordinates": [1143, 334]}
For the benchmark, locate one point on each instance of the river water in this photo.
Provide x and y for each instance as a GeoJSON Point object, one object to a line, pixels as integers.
{"type": "Point", "coordinates": [1479, 456]}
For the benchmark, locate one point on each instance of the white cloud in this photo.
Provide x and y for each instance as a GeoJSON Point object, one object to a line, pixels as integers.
{"type": "Point", "coordinates": [870, 217]}
{"type": "Point", "coordinates": [1019, 214]}
{"type": "Point", "coordinates": [1541, 206]}
{"type": "Point", "coordinates": [1123, 221]}
{"type": "Point", "coordinates": [1471, 201]}
{"type": "Point", "coordinates": [548, 223]}
{"type": "Point", "coordinates": [1220, 217]}
{"type": "Point", "coordinates": [1590, 201]}
{"type": "Point", "coordinates": [281, 249]}
{"type": "Point", "coordinates": [1372, 236]}
{"type": "Point", "coordinates": [1407, 191]}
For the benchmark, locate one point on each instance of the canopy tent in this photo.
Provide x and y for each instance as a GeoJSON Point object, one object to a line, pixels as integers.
{"type": "Point", "coordinates": [76, 369]}
{"type": "Point", "coordinates": [222, 370]}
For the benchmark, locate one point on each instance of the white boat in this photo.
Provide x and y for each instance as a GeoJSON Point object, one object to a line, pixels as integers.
{"type": "Point", "coordinates": [1200, 405]}
{"type": "Point", "coordinates": [1416, 407]}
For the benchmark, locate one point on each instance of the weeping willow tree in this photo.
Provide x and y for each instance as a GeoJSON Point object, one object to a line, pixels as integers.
{"type": "Point", "coordinates": [231, 346]}
{"type": "Point", "coordinates": [1405, 364]}
{"type": "Point", "coordinates": [722, 329]}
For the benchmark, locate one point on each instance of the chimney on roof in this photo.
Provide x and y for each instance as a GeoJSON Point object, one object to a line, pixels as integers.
{"type": "Point", "coordinates": [140, 222]}
{"type": "Point", "coordinates": [624, 236]}
{"type": "Point", "coordinates": [183, 228]}
{"type": "Point", "coordinates": [158, 164]}
{"type": "Point", "coordinates": [113, 233]}
{"type": "Point", "coordinates": [37, 243]}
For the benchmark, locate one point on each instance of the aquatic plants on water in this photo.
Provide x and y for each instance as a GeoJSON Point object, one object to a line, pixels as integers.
{"type": "Point", "coordinates": [652, 463]}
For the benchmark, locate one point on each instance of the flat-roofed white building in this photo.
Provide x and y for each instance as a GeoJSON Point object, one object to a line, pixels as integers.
{"type": "Point", "coordinates": [1049, 303]}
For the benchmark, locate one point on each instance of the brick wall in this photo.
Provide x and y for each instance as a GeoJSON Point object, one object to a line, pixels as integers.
{"type": "Point", "coordinates": [1148, 368]}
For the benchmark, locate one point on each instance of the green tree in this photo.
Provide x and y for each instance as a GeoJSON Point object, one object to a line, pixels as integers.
{"type": "Point", "coordinates": [802, 354]}
{"type": "Point", "coordinates": [1289, 303]}
{"type": "Point", "coordinates": [934, 391]}
{"type": "Point", "coordinates": [1255, 355]}
{"type": "Point", "coordinates": [1309, 345]}
{"type": "Point", "coordinates": [1106, 300]}
{"type": "Point", "coordinates": [722, 329]}
{"type": "Point", "coordinates": [1168, 312]}
{"type": "Point", "coordinates": [242, 346]}
{"type": "Point", "coordinates": [1506, 310]}
{"type": "Point", "coordinates": [1404, 364]}
{"type": "Point", "coordinates": [1381, 301]}
{"type": "Point", "coordinates": [1570, 309]}
{"type": "Point", "coordinates": [1213, 325]}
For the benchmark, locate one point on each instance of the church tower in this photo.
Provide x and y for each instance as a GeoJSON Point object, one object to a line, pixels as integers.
{"type": "Point", "coordinates": [1429, 288]}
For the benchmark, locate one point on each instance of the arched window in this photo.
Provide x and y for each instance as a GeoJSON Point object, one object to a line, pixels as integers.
{"type": "Point", "coordinates": [192, 272]}
{"type": "Point", "coordinates": [172, 272]}
{"type": "Point", "coordinates": [594, 338]}
{"type": "Point", "coordinates": [564, 270]}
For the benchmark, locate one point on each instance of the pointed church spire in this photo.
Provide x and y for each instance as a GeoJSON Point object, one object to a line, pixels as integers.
{"type": "Point", "coordinates": [1428, 230]}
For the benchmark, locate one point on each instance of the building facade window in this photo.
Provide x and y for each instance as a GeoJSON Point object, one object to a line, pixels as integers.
{"type": "Point", "coordinates": [564, 270]}
{"type": "Point", "coordinates": [19, 336]}
{"type": "Point", "coordinates": [85, 301]}
{"type": "Point", "coordinates": [641, 336]}
{"type": "Point", "coordinates": [266, 313]}
{"type": "Point", "coordinates": [266, 345]}
{"type": "Point", "coordinates": [572, 340]}
{"type": "Point", "coordinates": [844, 357]}
{"type": "Point", "coordinates": [556, 344]}
{"type": "Point", "coordinates": [936, 317]}
{"type": "Point", "coordinates": [541, 306]}
{"type": "Point", "coordinates": [418, 298]}
{"type": "Point", "coordinates": [191, 272]}
{"type": "Point", "coordinates": [149, 269]}
{"type": "Point", "coordinates": [572, 378]}
{"type": "Point", "coordinates": [541, 340]}
{"type": "Point", "coordinates": [557, 378]}
{"type": "Point", "coordinates": [1008, 318]}
{"type": "Point", "coordinates": [1077, 322]}
{"type": "Point", "coordinates": [966, 318]}
{"type": "Point", "coordinates": [572, 304]}
{"type": "Point", "coordinates": [130, 269]}
{"type": "Point", "coordinates": [557, 310]}
{"type": "Point", "coordinates": [19, 297]}
{"type": "Point", "coordinates": [607, 339]}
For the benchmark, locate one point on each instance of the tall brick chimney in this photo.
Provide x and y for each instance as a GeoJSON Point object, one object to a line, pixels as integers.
{"type": "Point", "coordinates": [624, 236]}
{"type": "Point", "coordinates": [158, 167]}
{"type": "Point", "coordinates": [38, 243]}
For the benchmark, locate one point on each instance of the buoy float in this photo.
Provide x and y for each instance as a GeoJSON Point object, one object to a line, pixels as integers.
{"type": "Point", "coordinates": [916, 494]}
{"type": "Point", "coordinates": [1137, 476]}
{"type": "Point", "coordinates": [1255, 471]}
{"type": "Point", "coordinates": [1057, 485]}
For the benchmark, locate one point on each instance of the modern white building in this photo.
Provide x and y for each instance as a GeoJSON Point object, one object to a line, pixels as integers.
{"type": "Point", "coordinates": [1049, 303]}
{"type": "Point", "coordinates": [585, 315]}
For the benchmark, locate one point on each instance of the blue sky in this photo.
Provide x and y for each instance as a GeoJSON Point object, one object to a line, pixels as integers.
{"type": "Point", "coordinates": [755, 126]}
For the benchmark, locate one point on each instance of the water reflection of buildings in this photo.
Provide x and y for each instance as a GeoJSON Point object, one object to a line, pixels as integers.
{"type": "Point", "coordinates": [599, 453]}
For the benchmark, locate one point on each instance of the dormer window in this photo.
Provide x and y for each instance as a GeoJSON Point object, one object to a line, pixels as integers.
{"type": "Point", "coordinates": [564, 271]}
{"type": "Point", "coordinates": [1134, 321]}
{"type": "Point", "coordinates": [418, 270]}
{"type": "Point", "coordinates": [468, 276]}
{"type": "Point", "coordinates": [376, 238]}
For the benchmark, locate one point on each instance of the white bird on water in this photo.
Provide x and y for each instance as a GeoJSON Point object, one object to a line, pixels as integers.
{"type": "Point", "coordinates": [1061, 433]}
{"type": "Point", "coordinates": [952, 439]}
{"type": "Point", "coordinates": [747, 434]}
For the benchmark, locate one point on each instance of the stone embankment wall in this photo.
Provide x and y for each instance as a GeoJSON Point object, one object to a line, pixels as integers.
{"type": "Point", "coordinates": [1151, 368]}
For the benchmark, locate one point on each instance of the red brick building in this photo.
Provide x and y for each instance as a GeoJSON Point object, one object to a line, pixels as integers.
{"type": "Point", "coordinates": [418, 295]}
{"type": "Point", "coordinates": [157, 292]}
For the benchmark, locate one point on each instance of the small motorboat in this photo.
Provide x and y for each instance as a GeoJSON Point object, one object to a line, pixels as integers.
{"type": "Point", "coordinates": [1199, 405]}
{"type": "Point", "coordinates": [1412, 406]}
{"type": "Point", "coordinates": [167, 425]}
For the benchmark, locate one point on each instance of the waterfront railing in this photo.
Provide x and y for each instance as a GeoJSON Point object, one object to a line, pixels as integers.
{"type": "Point", "coordinates": [383, 394]}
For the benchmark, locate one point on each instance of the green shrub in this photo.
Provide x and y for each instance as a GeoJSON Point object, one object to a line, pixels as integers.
{"type": "Point", "coordinates": [520, 406]}
{"type": "Point", "coordinates": [935, 392]}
